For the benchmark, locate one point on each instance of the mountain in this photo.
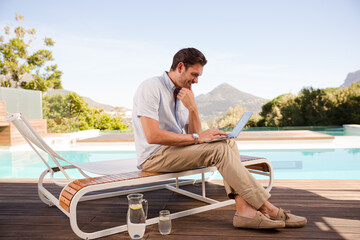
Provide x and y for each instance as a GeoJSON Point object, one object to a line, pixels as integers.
{"type": "Point", "coordinates": [351, 78]}
{"type": "Point", "coordinates": [215, 103]}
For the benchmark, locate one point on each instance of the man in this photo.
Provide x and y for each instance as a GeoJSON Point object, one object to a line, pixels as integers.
{"type": "Point", "coordinates": [163, 107]}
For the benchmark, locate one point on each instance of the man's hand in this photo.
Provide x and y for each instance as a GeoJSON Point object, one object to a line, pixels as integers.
{"type": "Point", "coordinates": [210, 134]}
{"type": "Point", "coordinates": [187, 98]}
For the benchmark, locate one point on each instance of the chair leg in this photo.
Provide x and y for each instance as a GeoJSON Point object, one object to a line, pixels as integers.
{"type": "Point", "coordinates": [88, 235]}
{"type": "Point", "coordinates": [271, 177]}
{"type": "Point", "coordinates": [203, 191]}
{"type": "Point", "coordinates": [42, 197]}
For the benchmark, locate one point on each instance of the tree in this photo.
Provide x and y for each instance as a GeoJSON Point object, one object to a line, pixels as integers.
{"type": "Point", "coordinates": [347, 105]}
{"type": "Point", "coordinates": [69, 113]}
{"type": "Point", "coordinates": [16, 62]}
{"type": "Point", "coordinates": [230, 119]}
{"type": "Point", "coordinates": [313, 107]}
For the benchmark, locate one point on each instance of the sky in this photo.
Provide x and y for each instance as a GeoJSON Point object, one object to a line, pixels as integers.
{"type": "Point", "coordinates": [266, 48]}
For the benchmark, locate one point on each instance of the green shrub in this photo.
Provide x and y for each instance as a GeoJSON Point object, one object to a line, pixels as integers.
{"type": "Point", "coordinates": [70, 113]}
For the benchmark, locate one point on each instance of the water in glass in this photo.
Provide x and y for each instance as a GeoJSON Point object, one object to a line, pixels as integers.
{"type": "Point", "coordinates": [164, 222]}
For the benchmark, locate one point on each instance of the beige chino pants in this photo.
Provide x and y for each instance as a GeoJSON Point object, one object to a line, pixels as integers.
{"type": "Point", "coordinates": [224, 155]}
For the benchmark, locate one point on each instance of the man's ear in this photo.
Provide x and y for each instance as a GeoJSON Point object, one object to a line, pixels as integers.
{"type": "Point", "coordinates": [180, 67]}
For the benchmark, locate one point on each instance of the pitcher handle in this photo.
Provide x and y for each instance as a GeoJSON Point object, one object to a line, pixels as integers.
{"type": "Point", "coordinates": [146, 207]}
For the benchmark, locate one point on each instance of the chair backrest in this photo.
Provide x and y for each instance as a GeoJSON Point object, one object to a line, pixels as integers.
{"type": "Point", "coordinates": [33, 138]}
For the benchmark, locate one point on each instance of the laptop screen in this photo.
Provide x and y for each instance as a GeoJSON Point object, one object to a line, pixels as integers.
{"type": "Point", "coordinates": [240, 125]}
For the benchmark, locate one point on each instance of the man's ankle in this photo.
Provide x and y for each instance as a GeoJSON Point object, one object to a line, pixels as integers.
{"type": "Point", "coordinates": [273, 212]}
{"type": "Point", "coordinates": [250, 213]}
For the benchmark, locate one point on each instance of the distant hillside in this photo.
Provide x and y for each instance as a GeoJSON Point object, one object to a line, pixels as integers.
{"type": "Point", "coordinates": [27, 77]}
{"type": "Point", "coordinates": [351, 78]}
{"type": "Point", "coordinates": [215, 103]}
{"type": "Point", "coordinates": [91, 103]}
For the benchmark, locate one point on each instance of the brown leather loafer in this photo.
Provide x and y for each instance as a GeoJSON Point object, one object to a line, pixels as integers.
{"type": "Point", "coordinates": [260, 221]}
{"type": "Point", "coordinates": [291, 220]}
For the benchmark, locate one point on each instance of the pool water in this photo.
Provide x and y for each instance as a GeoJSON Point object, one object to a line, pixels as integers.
{"type": "Point", "coordinates": [288, 164]}
{"type": "Point", "coordinates": [329, 130]}
{"type": "Point", "coordinates": [312, 164]}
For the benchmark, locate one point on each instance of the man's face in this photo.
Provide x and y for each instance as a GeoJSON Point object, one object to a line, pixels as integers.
{"type": "Point", "coordinates": [190, 75]}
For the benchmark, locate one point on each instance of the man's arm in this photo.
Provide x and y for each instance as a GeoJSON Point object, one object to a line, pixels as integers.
{"type": "Point", "coordinates": [194, 125]}
{"type": "Point", "coordinates": [187, 98]}
{"type": "Point", "coordinates": [156, 135]}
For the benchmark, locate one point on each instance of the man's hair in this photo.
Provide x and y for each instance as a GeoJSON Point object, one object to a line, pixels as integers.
{"type": "Point", "coordinates": [189, 56]}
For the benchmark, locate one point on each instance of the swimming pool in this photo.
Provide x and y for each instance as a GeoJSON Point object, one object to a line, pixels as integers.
{"type": "Point", "coordinates": [329, 130]}
{"type": "Point", "coordinates": [288, 164]}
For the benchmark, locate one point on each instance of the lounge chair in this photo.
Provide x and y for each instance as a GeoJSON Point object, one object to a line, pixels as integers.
{"type": "Point", "coordinates": [117, 174]}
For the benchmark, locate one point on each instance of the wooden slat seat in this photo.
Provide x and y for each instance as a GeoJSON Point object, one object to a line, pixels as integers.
{"type": "Point", "coordinates": [259, 166]}
{"type": "Point", "coordinates": [73, 187]}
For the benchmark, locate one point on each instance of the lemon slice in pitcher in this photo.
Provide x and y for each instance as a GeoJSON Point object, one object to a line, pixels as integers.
{"type": "Point", "coordinates": [135, 206]}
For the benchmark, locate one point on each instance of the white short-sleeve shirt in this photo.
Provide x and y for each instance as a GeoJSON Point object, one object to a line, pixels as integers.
{"type": "Point", "coordinates": [154, 99]}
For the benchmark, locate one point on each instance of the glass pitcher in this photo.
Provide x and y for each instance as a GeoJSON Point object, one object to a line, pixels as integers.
{"type": "Point", "coordinates": [136, 215]}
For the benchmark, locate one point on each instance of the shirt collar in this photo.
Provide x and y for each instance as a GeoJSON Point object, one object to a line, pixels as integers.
{"type": "Point", "coordinates": [168, 83]}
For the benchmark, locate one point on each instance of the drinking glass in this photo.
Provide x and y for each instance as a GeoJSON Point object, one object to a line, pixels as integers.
{"type": "Point", "coordinates": [164, 222]}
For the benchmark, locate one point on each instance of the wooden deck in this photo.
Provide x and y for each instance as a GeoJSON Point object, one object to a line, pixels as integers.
{"type": "Point", "coordinates": [244, 136]}
{"type": "Point", "coordinates": [283, 135]}
{"type": "Point", "coordinates": [120, 137]}
{"type": "Point", "coordinates": [331, 206]}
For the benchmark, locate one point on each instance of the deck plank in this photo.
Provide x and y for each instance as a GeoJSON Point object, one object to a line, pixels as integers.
{"type": "Point", "coordinates": [331, 206]}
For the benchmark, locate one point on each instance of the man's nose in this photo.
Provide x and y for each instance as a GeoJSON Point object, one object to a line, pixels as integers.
{"type": "Point", "coordinates": [196, 80]}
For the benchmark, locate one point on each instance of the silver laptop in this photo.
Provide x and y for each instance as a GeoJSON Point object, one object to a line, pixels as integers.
{"type": "Point", "coordinates": [237, 129]}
